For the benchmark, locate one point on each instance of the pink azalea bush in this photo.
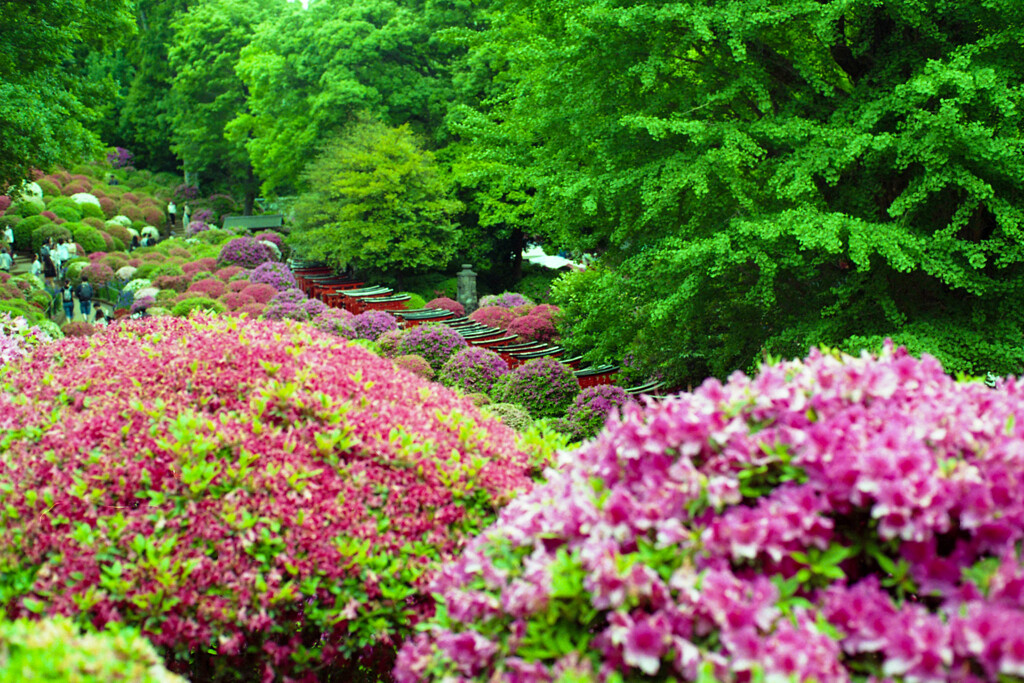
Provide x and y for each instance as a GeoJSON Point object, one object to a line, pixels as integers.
{"type": "Point", "coordinates": [211, 288]}
{"type": "Point", "coordinates": [198, 266]}
{"type": "Point", "coordinates": [261, 501]}
{"type": "Point", "coordinates": [416, 365]}
{"type": "Point", "coordinates": [493, 316]}
{"type": "Point", "coordinates": [832, 519]}
{"type": "Point", "coordinates": [227, 273]}
{"type": "Point", "coordinates": [179, 283]}
{"type": "Point", "coordinates": [539, 328]}
{"type": "Point", "coordinates": [98, 274]}
{"type": "Point", "coordinates": [238, 285]}
{"type": "Point", "coordinates": [446, 304]}
{"type": "Point", "coordinates": [473, 370]}
{"type": "Point", "coordinates": [235, 300]}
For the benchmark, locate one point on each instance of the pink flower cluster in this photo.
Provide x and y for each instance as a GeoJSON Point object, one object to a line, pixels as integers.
{"type": "Point", "coordinates": [833, 519]}
{"type": "Point", "coordinates": [446, 304]}
{"type": "Point", "coordinates": [255, 488]}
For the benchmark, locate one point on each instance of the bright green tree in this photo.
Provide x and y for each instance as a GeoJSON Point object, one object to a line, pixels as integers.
{"type": "Point", "coordinates": [313, 70]}
{"type": "Point", "coordinates": [765, 175]}
{"type": "Point", "coordinates": [207, 93]}
{"type": "Point", "coordinates": [376, 202]}
{"type": "Point", "coordinates": [43, 45]}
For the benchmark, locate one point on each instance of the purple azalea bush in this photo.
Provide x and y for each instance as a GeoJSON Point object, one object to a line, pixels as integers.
{"type": "Point", "coordinates": [473, 369]}
{"type": "Point", "coordinates": [372, 324]}
{"type": "Point", "coordinates": [141, 304]}
{"type": "Point", "coordinates": [277, 275]}
{"type": "Point", "coordinates": [246, 252]}
{"type": "Point", "coordinates": [544, 386]}
{"type": "Point", "coordinates": [120, 157]}
{"type": "Point", "coordinates": [195, 227]}
{"type": "Point", "coordinates": [592, 406]}
{"type": "Point", "coordinates": [436, 343]}
{"type": "Point", "coordinates": [292, 304]}
{"type": "Point", "coordinates": [334, 321]}
{"type": "Point", "coordinates": [831, 519]}
{"type": "Point", "coordinates": [505, 300]}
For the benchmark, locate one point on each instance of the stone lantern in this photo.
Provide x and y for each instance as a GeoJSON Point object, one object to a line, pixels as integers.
{"type": "Point", "coordinates": [467, 288]}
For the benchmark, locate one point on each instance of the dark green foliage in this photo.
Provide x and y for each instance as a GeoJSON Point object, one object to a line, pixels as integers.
{"type": "Point", "coordinates": [46, 231]}
{"type": "Point", "coordinates": [763, 181]}
{"type": "Point", "coordinates": [23, 230]}
{"type": "Point", "coordinates": [89, 237]}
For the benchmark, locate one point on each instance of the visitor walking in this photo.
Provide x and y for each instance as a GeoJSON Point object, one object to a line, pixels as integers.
{"type": "Point", "coordinates": [9, 237]}
{"type": "Point", "coordinates": [85, 299]}
{"type": "Point", "coordinates": [67, 299]}
{"type": "Point", "coordinates": [172, 211]}
{"type": "Point", "coordinates": [46, 255]}
{"type": "Point", "coordinates": [36, 268]}
{"type": "Point", "coordinates": [186, 214]}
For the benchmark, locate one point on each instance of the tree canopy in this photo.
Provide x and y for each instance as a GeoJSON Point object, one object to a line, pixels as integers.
{"type": "Point", "coordinates": [43, 45]}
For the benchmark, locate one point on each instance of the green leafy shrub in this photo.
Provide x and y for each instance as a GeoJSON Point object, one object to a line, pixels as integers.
{"type": "Point", "coordinates": [511, 414]}
{"type": "Point", "coordinates": [48, 187]}
{"type": "Point", "coordinates": [23, 230]}
{"type": "Point", "coordinates": [70, 214]}
{"type": "Point", "coordinates": [56, 650]}
{"type": "Point", "coordinates": [296, 492]}
{"type": "Point", "coordinates": [28, 206]}
{"type": "Point", "coordinates": [89, 210]}
{"type": "Point", "coordinates": [543, 386]}
{"type": "Point", "coordinates": [198, 303]}
{"type": "Point", "coordinates": [89, 237]}
{"type": "Point", "coordinates": [415, 301]}
{"type": "Point", "coordinates": [46, 231]}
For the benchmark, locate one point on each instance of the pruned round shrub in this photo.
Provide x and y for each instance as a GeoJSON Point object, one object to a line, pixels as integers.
{"type": "Point", "coordinates": [92, 211]}
{"type": "Point", "coordinates": [178, 283]}
{"type": "Point", "coordinates": [187, 306]}
{"type": "Point", "coordinates": [511, 414]}
{"type": "Point", "coordinates": [28, 206]}
{"type": "Point", "coordinates": [238, 285]}
{"type": "Point", "coordinates": [89, 238]}
{"type": "Point", "coordinates": [417, 365]}
{"type": "Point", "coordinates": [167, 268]}
{"type": "Point", "coordinates": [445, 304]}
{"type": "Point", "coordinates": [24, 229]}
{"type": "Point", "coordinates": [261, 294]}
{"type": "Point", "coordinates": [227, 273]}
{"type": "Point", "coordinates": [124, 273]}
{"type": "Point", "coordinates": [436, 343]}
{"type": "Point", "coordinates": [588, 412]}
{"type": "Point", "coordinates": [387, 343]}
{"type": "Point", "coordinates": [372, 324]}
{"type": "Point", "coordinates": [41, 234]}
{"type": "Point", "coordinates": [277, 275]}
{"type": "Point", "coordinates": [253, 310]}
{"type": "Point", "coordinates": [272, 237]}
{"type": "Point", "coordinates": [245, 252]}
{"type": "Point", "coordinates": [130, 211]}
{"type": "Point", "coordinates": [830, 519]}
{"type": "Point", "coordinates": [137, 285]}
{"type": "Point", "coordinates": [70, 214]}
{"type": "Point", "coordinates": [334, 321]}
{"type": "Point", "coordinates": [295, 491]}
{"type": "Point", "coordinates": [505, 300]}
{"type": "Point", "coordinates": [539, 328]}
{"type": "Point", "coordinates": [233, 300]}
{"type": "Point", "coordinates": [543, 386]}
{"type": "Point", "coordinates": [472, 369]}
{"type": "Point", "coordinates": [108, 206]}
{"type": "Point", "coordinates": [57, 650]}
{"type": "Point", "coordinates": [212, 288]}
{"type": "Point", "coordinates": [203, 264]}
{"type": "Point", "coordinates": [493, 316]}
{"type": "Point", "coordinates": [49, 187]}
{"type": "Point", "coordinates": [98, 274]}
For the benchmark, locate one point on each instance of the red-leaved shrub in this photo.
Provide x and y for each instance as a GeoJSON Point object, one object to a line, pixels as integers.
{"type": "Point", "coordinates": [260, 293]}
{"type": "Point", "coordinates": [493, 316]}
{"type": "Point", "coordinates": [179, 283]}
{"type": "Point", "coordinates": [445, 304]}
{"type": "Point", "coordinates": [207, 264]}
{"type": "Point", "coordinates": [227, 273]}
{"type": "Point", "coordinates": [235, 300]}
{"type": "Point", "coordinates": [238, 285]}
{"type": "Point", "coordinates": [211, 288]}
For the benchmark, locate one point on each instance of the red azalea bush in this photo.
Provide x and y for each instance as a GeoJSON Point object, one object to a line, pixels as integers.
{"type": "Point", "coordinates": [238, 285]}
{"type": "Point", "coordinates": [179, 283]}
{"type": "Point", "coordinates": [78, 328]}
{"type": "Point", "coordinates": [252, 310]}
{"type": "Point", "coordinates": [445, 304]}
{"type": "Point", "coordinates": [261, 294]}
{"type": "Point", "coordinates": [109, 206]}
{"type": "Point", "coordinates": [533, 328]}
{"type": "Point", "coordinates": [493, 316]}
{"type": "Point", "coordinates": [226, 274]}
{"type": "Point", "coordinates": [264, 492]}
{"type": "Point", "coordinates": [235, 300]}
{"type": "Point", "coordinates": [834, 519]}
{"type": "Point", "coordinates": [182, 252]}
{"type": "Point", "coordinates": [211, 288]}
{"type": "Point", "coordinates": [203, 264]}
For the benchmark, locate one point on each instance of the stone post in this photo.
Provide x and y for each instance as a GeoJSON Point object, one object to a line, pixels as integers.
{"type": "Point", "coordinates": [467, 288]}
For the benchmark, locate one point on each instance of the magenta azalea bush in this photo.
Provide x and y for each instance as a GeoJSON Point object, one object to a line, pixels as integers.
{"type": "Point", "coordinates": [532, 327]}
{"type": "Point", "coordinates": [473, 369]}
{"type": "Point", "coordinates": [246, 252]}
{"type": "Point", "coordinates": [98, 274]}
{"type": "Point", "coordinates": [493, 316]}
{"type": "Point", "coordinates": [446, 304]}
{"type": "Point", "coordinates": [543, 386]}
{"type": "Point", "coordinates": [588, 412]}
{"type": "Point", "coordinates": [436, 343]}
{"type": "Point", "coordinates": [260, 293]}
{"type": "Point", "coordinates": [834, 519]}
{"type": "Point", "coordinates": [417, 365]}
{"type": "Point", "coordinates": [261, 500]}
{"type": "Point", "coordinates": [277, 275]}
{"type": "Point", "coordinates": [292, 304]}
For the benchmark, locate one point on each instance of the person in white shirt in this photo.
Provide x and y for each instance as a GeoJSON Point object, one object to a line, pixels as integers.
{"type": "Point", "coordinates": [36, 268]}
{"type": "Point", "coordinates": [5, 261]}
{"type": "Point", "coordinates": [9, 236]}
{"type": "Point", "coordinates": [171, 211]}
{"type": "Point", "coordinates": [64, 255]}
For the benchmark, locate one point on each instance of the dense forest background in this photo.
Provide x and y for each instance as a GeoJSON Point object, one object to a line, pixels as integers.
{"type": "Point", "coordinates": [756, 176]}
